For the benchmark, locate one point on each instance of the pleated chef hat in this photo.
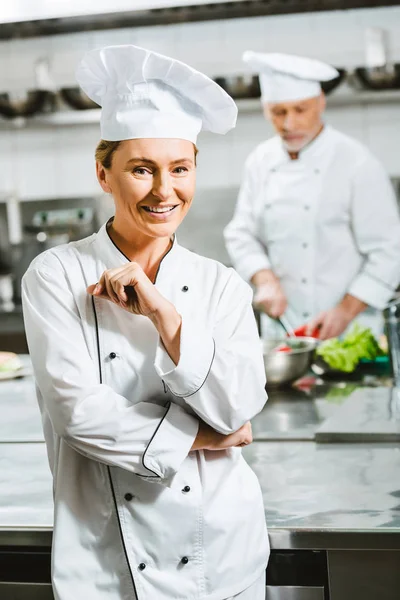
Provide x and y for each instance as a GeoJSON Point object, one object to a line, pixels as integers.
{"type": "Point", "coordinates": [285, 78]}
{"type": "Point", "coordinates": [147, 95]}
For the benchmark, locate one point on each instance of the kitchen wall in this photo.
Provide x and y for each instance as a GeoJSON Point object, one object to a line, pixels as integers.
{"type": "Point", "coordinates": [58, 161]}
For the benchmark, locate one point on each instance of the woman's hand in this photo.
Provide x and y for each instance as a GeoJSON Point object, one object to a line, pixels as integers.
{"type": "Point", "coordinates": [209, 439]}
{"type": "Point", "coordinates": [131, 289]}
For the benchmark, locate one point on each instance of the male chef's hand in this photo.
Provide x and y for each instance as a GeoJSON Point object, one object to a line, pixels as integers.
{"type": "Point", "coordinates": [209, 439]}
{"type": "Point", "coordinates": [334, 322]}
{"type": "Point", "coordinates": [270, 298]}
{"type": "Point", "coordinates": [131, 289]}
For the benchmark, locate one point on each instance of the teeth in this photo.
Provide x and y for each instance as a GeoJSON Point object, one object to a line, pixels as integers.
{"type": "Point", "coordinates": [159, 209]}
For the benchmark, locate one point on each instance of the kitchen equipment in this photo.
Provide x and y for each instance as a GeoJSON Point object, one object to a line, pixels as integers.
{"type": "Point", "coordinates": [6, 283]}
{"type": "Point", "coordinates": [378, 74]}
{"type": "Point", "coordinates": [49, 228]}
{"type": "Point", "coordinates": [391, 315]}
{"type": "Point", "coordinates": [27, 103]}
{"type": "Point", "coordinates": [240, 86]}
{"type": "Point", "coordinates": [285, 367]}
{"type": "Point", "coordinates": [286, 326]}
{"type": "Point", "coordinates": [76, 98]}
{"type": "Point", "coordinates": [6, 292]}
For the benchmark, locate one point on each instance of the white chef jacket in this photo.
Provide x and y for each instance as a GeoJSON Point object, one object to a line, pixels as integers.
{"type": "Point", "coordinates": [327, 224]}
{"type": "Point", "coordinates": [119, 418]}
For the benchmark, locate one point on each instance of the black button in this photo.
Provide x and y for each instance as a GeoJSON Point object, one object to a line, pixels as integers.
{"type": "Point", "coordinates": [142, 567]}
{"type": "Point", "coordinates": [316, 171]}
{"type": "Point", "coordinates": [304, 280]}
{"type": "Point", "coordinates": [186, 488]}
{"type": "Point", "coordinates": [305, 245]}
{"type": "Point", "coordinates": [128, 497]}
{"type": "Point", "coordinates": [185, 560]}
{"type": "Point", "coordinates": [306, 207]}
{"type": "Point", "coordinates": [112, 355]}
{"type": "Point", "coordinates": [185, 288]}
{"type": "Point", "coordinates": [306, 315]}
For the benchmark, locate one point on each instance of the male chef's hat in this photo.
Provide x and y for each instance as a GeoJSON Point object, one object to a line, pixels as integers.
{"type": "Point", "coordinates": [146, 95]}
{"type": "Point", "coordinates": [285, 78]}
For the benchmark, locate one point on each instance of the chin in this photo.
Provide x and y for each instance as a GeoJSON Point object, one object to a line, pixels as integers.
{"type": "Point", "coordinates": [162, 230]}
{"type": "Point", "coordinates": [295, 147]}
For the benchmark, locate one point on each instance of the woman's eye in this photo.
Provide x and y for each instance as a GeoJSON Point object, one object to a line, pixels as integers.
{"type": "Point", "coordinates": [141, 171]}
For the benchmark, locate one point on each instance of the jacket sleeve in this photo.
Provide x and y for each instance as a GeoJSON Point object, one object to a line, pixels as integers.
{"type": "Point", "coordinates": [376, 226]}
{"type": "Point", "coordinates": [145, 438]}
{"type": "Point", "coordinates": [220, 373]}
{"type": "Point", "coordinates": [246, 251]}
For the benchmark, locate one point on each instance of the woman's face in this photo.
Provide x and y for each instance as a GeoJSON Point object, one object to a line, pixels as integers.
{"type": "Point", "coordinates": [152, 182]}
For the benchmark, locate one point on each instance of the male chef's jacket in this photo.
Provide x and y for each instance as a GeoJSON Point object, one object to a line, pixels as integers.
{"type": "Point", "coordinates": [327, 224]}
{"type": "Point", "coordinates": [135, 511]}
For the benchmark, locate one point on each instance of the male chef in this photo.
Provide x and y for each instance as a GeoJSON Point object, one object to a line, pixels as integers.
{"type": "Point", "coordinates": [316, 228]}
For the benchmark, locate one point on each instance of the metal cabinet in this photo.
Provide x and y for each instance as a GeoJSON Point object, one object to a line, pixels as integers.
{"type": "Point", "coordinates": [25, 591]}
{"type": "Point", "coordinates": [297, 575]}
{"type": "Point", "coordinates": [25, 573]}
{"type": "Point", "coordinates": [294, 593]}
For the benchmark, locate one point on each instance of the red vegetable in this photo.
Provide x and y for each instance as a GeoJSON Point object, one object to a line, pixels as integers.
{"type": "Point", "coordinates": [301, 332]}
{"type": "Point", "coordinates": [283, 349]}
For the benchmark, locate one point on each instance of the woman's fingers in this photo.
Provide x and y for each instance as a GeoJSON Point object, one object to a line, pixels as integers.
{"type": "Point", "coordinates": [110, 291]}
{"type": "Point", "coordinates": [126, 286]}
{"type": "Point", "coordinates": [96, 289]}
{"type": "Point", "coordinates": [118, 286]}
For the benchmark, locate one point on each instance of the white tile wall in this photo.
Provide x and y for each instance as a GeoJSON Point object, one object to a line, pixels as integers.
{"type": "Point", "coordinates": [59, 162]}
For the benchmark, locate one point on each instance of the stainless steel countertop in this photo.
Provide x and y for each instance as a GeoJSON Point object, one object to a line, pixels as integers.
{"type": "Point", "coordinates": [296, 414]}
{"type": "Point", "coordinates": [315, 495]}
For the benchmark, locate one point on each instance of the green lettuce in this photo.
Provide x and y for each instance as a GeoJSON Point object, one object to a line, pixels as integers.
{"type": "Point", "coordinates": [345, 354]}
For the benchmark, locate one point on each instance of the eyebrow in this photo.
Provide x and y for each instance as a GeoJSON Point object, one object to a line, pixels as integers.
{"type": "Point", "coordinates": [143, 159]}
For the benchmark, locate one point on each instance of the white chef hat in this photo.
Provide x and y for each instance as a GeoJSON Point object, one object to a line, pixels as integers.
{"type": "Point", "coordinates": [285, 78]}
{"type": "Point", "coordinates": [147, 95]}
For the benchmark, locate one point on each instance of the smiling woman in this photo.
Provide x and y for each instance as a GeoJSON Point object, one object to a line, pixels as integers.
{"type": "Point", "coordinates": [148, 362]}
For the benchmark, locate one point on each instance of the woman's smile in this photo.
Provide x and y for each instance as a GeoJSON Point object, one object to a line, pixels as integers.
{"type": "Point", "coordinates": [160, 213]}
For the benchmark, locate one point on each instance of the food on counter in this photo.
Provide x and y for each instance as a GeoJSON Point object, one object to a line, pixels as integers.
{"type": "Point", "coordinates": [301, 332]}
{"type": "Point", "coordinates": [283, 348]}
{"type": "Point", "coordinates": [345, 354]}
{"type": "Point", "coordinates": [289, 345]}
{"type": "Point", "coordinates": [9, 362]}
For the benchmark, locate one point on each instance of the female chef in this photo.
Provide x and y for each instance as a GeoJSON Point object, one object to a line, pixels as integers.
{"type": "Point", "coordinates": [148, 363]}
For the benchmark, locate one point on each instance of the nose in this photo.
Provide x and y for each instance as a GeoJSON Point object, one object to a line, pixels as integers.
{"type": "Point", "coordinates": [290, 122]}
{"type": "Point", "coordinates": [162, 187]}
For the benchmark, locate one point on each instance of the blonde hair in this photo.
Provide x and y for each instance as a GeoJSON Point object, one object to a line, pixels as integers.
{"type": "Point", "coordinates": [105, 150]}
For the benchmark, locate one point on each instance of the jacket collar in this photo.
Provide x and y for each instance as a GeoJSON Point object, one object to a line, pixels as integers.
{"type": "Point", "coordinates": [311, 154]}
{"type": "Point", "coordinates": [112, 256]}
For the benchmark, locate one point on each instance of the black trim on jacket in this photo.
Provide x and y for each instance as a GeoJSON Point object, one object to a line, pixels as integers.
{"type": "Point", "coordinates": [108, 468]}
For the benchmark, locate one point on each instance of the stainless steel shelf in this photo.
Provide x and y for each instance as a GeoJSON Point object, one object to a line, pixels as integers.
{"type": "Point", "coordinates": [343, 97]}
{"type": "Point", "coordinates": [340, 98]}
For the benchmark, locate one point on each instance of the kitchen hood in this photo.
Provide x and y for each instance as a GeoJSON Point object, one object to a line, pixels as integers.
{"type": "Point", "coordinates": [27, 18]}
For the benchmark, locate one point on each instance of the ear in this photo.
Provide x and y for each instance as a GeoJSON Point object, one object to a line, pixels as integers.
{"type": "Point", "coordinates": [102, 177]}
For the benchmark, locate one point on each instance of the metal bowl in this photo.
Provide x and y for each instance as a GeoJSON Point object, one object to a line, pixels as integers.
{"type": "Point", "coordinates": [76, 98]}
{"type": "Point", "coordinates": [379, 78]}
{"type": "Point", "coordinates": [31, 103]}
{"type": "Point", "coordinates": [285, 367]}
{"type": "Point", "coordinates": [240, 86]}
